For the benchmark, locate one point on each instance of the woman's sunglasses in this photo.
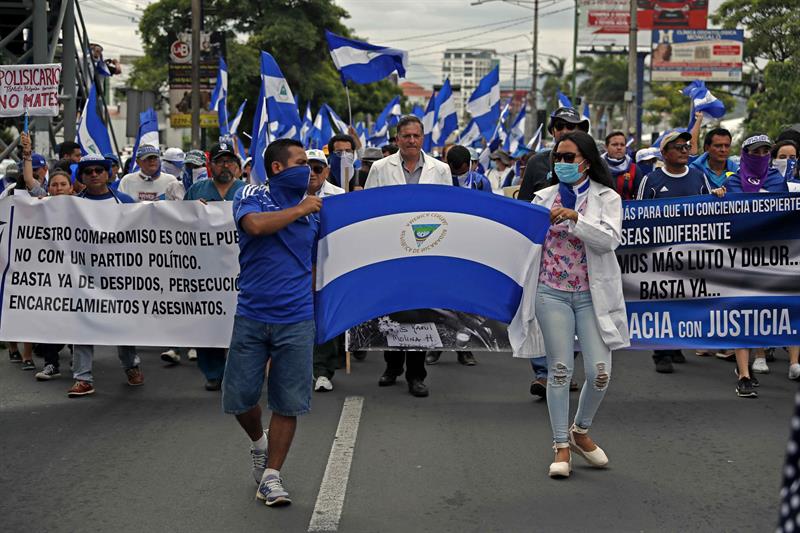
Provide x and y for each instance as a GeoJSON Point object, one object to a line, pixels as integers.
{"type": "Point", "coordinates": [567, 157]}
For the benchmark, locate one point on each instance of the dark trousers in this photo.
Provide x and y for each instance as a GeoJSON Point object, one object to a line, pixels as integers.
{"type": "Point", "coordinates": [664, 354]}
{"type": "Point", "coordinates": [328, 357]}
{"type": "Point", "coordinates": [211, 362]}
{"type": "Point", "coordinates": [49, 352]}
{"type": "Point", "coordinates": [414, 362]}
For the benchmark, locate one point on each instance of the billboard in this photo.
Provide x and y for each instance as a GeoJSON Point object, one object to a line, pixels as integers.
{"type": "Point", "coordinates": [212, 44]}
{"type": "Point", "coordinates": [607, 22]}
{"type": "Point", "coordinates": [708, 55]}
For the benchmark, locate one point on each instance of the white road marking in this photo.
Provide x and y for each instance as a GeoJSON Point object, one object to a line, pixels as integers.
{"type": "Point", "coordinates": [330, 500]}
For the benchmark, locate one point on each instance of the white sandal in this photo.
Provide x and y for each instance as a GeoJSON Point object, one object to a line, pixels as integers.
{"type": "Point", "coordinates": [597, 457]}
{"type": "Point", "coordinates": [560, 469]}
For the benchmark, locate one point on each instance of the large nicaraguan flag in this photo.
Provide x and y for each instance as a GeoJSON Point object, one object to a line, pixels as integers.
{"type": "Point", "coordinates": [363, 62]}
{"type": "Point", "coordinates": [92, 133]}
{"type": "Point", "coordinates": [425, 246]}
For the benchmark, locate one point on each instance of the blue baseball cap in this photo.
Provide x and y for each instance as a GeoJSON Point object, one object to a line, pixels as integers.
{"type": "Point", "coordinates": [93, 160]}
{"type": "Point", "coordinates": [112, 158]}
{"type": "Point", "coordinates": [38, 161]}
{"type": "Point", "coordinates": [147, 150]}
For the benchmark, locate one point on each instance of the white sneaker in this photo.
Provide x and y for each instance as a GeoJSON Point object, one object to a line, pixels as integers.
{"type": "Point", "coordinates": [760, 366]}
{"type": "Point", "coordinates": [171, 356]}
{"type": "Point", "coordinates": [323, 384]}
{"type": "Point", "coordinates": [192, 354]}
{"type": "Point", "coordinates": [794, 371]}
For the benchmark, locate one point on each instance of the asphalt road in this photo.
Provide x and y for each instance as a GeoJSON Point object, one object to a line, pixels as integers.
{"type": "Point", "coordinates": [685, 453]}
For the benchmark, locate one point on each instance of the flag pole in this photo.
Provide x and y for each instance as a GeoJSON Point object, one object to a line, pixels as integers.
{"type": "Point", "coordinates": [349, 111]}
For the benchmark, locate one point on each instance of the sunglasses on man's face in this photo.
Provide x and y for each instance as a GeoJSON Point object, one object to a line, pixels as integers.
{"type": "Point", "coordinates": [566, 157]}
{"type": "Point", "coordinates": [317, 169]}
{"type": "Point", "coordinates": [92, 170]}
{"type": "Point", "coordinates": [558, 126]}
{"type": "Point", "coordinates": [680, 147]}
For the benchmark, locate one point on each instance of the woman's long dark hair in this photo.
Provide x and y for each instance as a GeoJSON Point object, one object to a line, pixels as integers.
{"type": "Point", "coordinates": [588, 149]}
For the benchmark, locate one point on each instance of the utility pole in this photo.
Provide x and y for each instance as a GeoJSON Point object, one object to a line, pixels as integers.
{"type": "Point", "coordinates": [196, 8]}
{"type": "Point", "coordinates": [529, 124]}
{"type": "Point", "coordinates": [68, 63]}
{"type": "Point", "coordinates": [514, 84]}
{"type": "Point", "coordinates": [630, 94]}
{"type": "Point", "coordinates": [40, 124]}
{"type": "Point", "coordinates": [575, 55]}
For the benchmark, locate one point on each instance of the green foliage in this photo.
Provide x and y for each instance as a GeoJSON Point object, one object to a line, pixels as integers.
{"type": "Point", "coordinates": [778, 105]}
{"type": "Point", "coordinates": [555, 79]}
{"type": "Point", "coordinates": [293, 31]}
{"type": "Point", "coordinates": [604, 86]}
{"type": "Point", "coordinates": [773, 27]}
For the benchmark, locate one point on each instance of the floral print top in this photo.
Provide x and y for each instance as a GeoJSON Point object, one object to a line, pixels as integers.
{"type": "Point", "coordinates": [564, 257]}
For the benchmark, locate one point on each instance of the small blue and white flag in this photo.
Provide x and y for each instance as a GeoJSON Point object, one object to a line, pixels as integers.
{"type": "Point", "coordinates": [92, 131]}
{"type": "Point", "coordinates": [363, 62]}
{"type": "Point", "coordinates": [516, 136]}
{"type": "Point", "coordinates": [322, 131]}
{"type": "Point", "coordinates": [470, 134]}
{"type": "Point", "coordinates": [428, 122]}
{"type": "Point", "coordinates": [389, 117]}
{"type": "Point", "coordinates": [702, 100]}
{"type": "Point", "coordinates": [259, 119]}
{"type": "Point", "coordinates": [340, 124]}
{"type": "Point", "coordinates": [484, 103]}
{"type": "Point", "coordinates": [308, 125]}
{"type": "Point", "coordinates": [563, 100]}
{"type": "Point", "coordinates": [233, 125]}
{"type": "Point", "coordinates": [422, 238]}
{"type": "Point", "coordinates": [535, 144]}
{"type": "Point", "coordinates": [500, 133]}
{"type": "Point", "coordinates": [219, 98]}
{"type": "Point", "coordinates": [446, 116]}
{"type": "Point", "coordinates": [585, 113]}
{"type": "Point", "coordinates": [418, 111]}
{"type": "Point", "coordinates": [148, 133]}
{"type": "Point", "coordinates": [361, 132]}
{"type": "Point", "coordinates": [284, 120]}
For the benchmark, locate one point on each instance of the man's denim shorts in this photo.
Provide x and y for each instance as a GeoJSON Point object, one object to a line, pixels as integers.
{"type": "Point", "coordinates": [291, 349]}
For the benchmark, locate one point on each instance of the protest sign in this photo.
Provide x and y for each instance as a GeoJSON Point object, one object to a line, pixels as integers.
{"type": "Point", "coordinates": [31, 88]}
{"type": "Point", "coordinates": [82, 272]}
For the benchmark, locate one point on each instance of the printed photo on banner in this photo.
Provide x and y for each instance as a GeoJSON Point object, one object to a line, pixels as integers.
{"type": "Point", "coordinates": [430, 329]}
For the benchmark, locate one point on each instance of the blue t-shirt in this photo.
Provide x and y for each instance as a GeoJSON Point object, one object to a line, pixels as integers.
{"type": "Point", "coordinates": [110, 196]}
{"type": "Point", "coordinates": [659, 184]}
{"type": "Point", "coordinates": [206, 190]}
{"type": "Point", "coordinates": [716, 180]}
{"type": "Point", "coordinates": [774, 182]}
{"type": "Point", "coordinates": [275, 270]}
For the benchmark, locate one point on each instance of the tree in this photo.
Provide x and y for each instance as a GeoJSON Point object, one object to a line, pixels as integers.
{"type": "Point", "coordinates": [773, 28]}
{"type": "Point", "coordinates": [778, 106]}
{"type": "Point", "coordinates": [554, 81]}
{"type": "Point", "coordinates": [605, 84]}
{"type": "Point", "coordinates": [292, 31]}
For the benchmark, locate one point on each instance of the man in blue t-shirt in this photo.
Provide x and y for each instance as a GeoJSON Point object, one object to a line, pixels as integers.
{"type": "Point", "coordinates": [278, 229]}
{"type": "Point", "coordinates": [675, 179]}
{"type": "Point", "coordinates": [223, 185]}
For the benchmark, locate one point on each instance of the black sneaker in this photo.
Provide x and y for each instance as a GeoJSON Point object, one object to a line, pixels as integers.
{"type": "Point", "coordinates": [15, 357]}
{"type": "Point", "coordinates": [753, 379]}
{"type": "Point", "coordinates": [48, 372]}
{"type": "Point", "coordinates": [431, 358]}
{"type": "Point", "coordinates": [678, 357]}
{"type": "Point", "coordinates": [664, 365]}
{"type": "Point", "coordinates": [28, 365]}
{"type": "Point", "coordinates": [539, 387]}
{"type": "Point", "coordinates": [745, 388]}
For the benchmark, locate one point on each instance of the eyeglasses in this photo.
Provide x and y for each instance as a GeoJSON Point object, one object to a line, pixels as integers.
{"type": "Point", "coordinates": [92, 170]}
{"type": "Point", "coordinates": [227, 161]}
{"type": "Point", "coordinates": [567, 157]}
{"type": "Point", "coordinates": [681, 147]}
{"type": "Point", "coordinates": [317, 169]}
{"type": "Point", "coordinates": [558, 126]}
{"type": "Point", "coordinates": [340, 153]}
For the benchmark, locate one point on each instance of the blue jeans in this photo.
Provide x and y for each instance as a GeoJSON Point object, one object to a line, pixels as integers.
{"type": "Point", "coordinates": [211, 362]}
{"type": "Point", "coordinates": [290, 347]}
{"type": "Point", "coordinates": [561, 315]}
{"type": "Point", "coordinates": [539, 365]}
{"type": "Point", "coordinates": [83, 355]}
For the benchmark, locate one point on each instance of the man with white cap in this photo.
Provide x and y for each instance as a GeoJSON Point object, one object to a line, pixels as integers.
{"type": "Point", "coordinates": [150, 182]}
{"type": "Point", "coordinates": [318, 183]}
{"type": "Point", "coordinates": [173, 161]}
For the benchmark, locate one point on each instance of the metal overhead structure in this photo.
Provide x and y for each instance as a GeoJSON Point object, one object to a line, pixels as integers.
{"type": "Point", "coordinates": [48, 31]}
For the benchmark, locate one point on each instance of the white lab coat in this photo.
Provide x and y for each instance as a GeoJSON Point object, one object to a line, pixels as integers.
{"type": "Point", "coordinates": [599, 227]}
{"type": "Point", "coordinates": [387, 171]}
{"type": "Point", "coordinates": [329, 189]}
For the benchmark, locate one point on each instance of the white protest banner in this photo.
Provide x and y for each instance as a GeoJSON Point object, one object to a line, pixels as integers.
{"type": "Point", "coordinates": [31, 88]}
{"type": "Point", "coordinates": [76, 271]}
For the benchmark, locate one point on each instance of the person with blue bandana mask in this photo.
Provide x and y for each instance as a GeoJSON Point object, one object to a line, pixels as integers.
{"type": "Point", "coordinates": [580, 288]}
{"type": "Point", "coordinates": [194, 168]}
{"type": "Point", "coordinates": [341, 159]}
{"type": "Point", "coordinates": [278, 228]}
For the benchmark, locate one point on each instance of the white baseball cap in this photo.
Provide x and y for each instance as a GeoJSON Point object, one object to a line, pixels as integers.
{"type": "Point", "coordinates": [174, 155]}
{"type": "Point", "coordinates": [316, 155]}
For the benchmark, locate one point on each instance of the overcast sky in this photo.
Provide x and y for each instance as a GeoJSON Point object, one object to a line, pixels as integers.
{"type": "Point", "coordinates": [422, 27]}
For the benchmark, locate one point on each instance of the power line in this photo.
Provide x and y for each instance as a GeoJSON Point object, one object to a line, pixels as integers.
{"type": "Point", "coordinates": [476, 44]}
{"type": "Point", "coordinates": [479, 26]}
{"type": "Point", "coordinates": [517, 23]}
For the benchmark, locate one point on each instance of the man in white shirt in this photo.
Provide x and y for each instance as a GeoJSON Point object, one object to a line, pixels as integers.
{"type": "Point", "coordinates": [503, 167]}
{"type": "Point", "coordinates": [318, 183]}
{"type": "Point", "coordinates": [150, 182]}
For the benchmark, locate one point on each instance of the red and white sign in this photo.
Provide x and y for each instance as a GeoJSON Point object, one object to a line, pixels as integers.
{"type": "Point", "coordinates": [31, 88]}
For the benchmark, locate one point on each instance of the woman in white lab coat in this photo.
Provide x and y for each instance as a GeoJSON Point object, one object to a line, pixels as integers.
{"type": "Point", "coordinates": [579, 292]}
